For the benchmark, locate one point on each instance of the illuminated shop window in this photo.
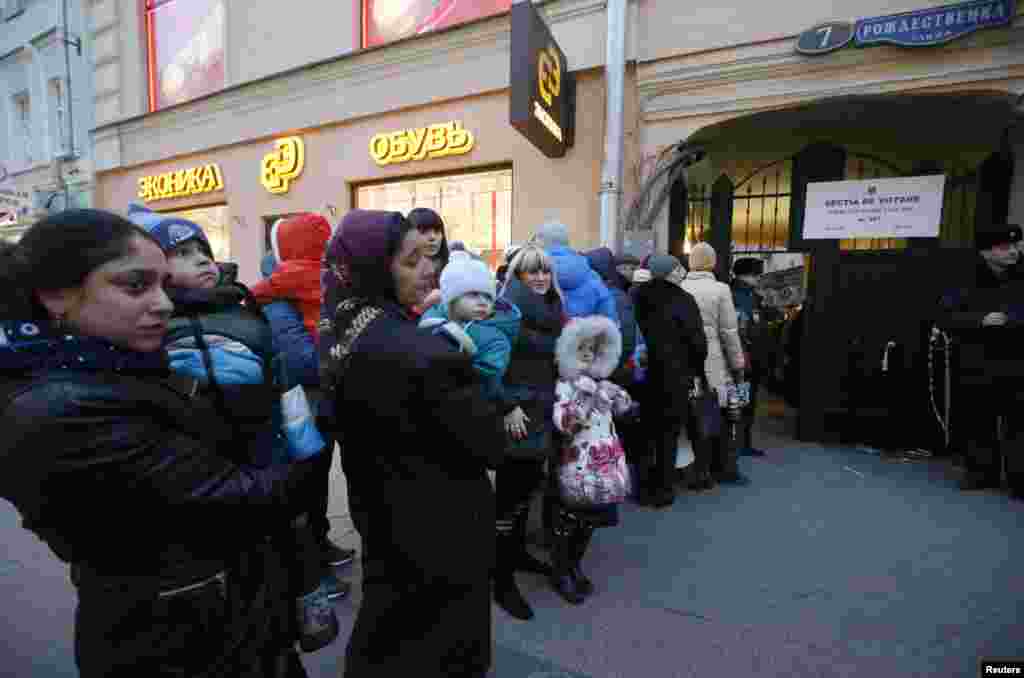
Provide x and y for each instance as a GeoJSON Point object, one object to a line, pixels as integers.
{"type": "Point", "coordinates": [476, 208]}
{"type": "Point", "coordinates": [215, 223]}
{"type": "Point", "coordinates": [185, 40]}
{"type": "Point", "coordinates": [389, 20]}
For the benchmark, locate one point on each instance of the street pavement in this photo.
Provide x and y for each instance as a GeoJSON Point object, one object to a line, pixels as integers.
{"type": "Point", "coordinates": [835, 562]}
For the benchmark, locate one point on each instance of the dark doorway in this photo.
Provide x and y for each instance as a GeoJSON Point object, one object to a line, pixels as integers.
{"type": "Point", "coordinates": [883, 308]}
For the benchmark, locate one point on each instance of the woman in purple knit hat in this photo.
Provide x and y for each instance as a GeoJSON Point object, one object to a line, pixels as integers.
{"type": "Point", "coordinates": [417, 439]}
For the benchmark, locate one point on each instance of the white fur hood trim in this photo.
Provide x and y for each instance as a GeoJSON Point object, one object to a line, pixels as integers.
{"type": "Point", "coordinates": [608, 354]}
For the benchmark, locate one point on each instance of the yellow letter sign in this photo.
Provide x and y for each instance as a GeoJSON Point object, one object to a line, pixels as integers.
{"type": "Point", "coordinates": [435, 141]}
{"type": "Point", "coordinates": [283, 165]}
{"type": "Point", "coordinates": [180, 184]}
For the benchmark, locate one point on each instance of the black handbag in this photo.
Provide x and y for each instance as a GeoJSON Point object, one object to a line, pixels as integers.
{"type": "Point", "coordinates": [705, 410]}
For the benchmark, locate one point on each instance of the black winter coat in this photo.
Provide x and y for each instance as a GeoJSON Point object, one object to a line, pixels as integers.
{"type": "Point", "coordinates": [676, 346]}
{"type": "Point", "coordinates": [531, 373]}
{"type": "Point", "coordinates": [92, 433]}
{"type": "Point", "coordinates": [418, 438]}
{"type": "Point", "coordinates": [603, 261]}
{"type": "Point", "coordinates": [986, 352]}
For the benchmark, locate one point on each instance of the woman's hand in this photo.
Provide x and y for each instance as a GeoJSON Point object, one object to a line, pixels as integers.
{"type": "Point", "coordinates": [515, 423]}
{"type": "Point", "coordinates": [994, 319]}
{"type": "Point", "coordinates": [585, 384]}
{"type": "Point", "coordinates": [433, 299]}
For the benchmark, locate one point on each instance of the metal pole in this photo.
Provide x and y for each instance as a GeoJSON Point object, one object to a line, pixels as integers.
{"type": "Point", "coordinates": [615, 81]}
{"type": "Point", "coordinates": [70, 149]}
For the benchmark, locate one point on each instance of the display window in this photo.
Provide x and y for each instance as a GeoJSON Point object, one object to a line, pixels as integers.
{"type": "Point", "coordinates": [388, 20]}
{"type": "Point", "coordinates": [185, 43]}
{"type": "Point", "coordinates": [476, 207]}
{"type": "Point", "coordinates": [215, 223]}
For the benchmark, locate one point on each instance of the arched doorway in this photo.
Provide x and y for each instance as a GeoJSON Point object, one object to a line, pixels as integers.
{"type": "Point", "coordinates": [866, 302]}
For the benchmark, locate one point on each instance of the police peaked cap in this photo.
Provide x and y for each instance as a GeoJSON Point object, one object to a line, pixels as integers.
{"type": "Point", "coordinates": [748, 266]}
{"type": "Point", "coordinates": [988, 236]}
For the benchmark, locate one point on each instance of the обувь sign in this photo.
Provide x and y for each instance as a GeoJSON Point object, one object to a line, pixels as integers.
{"type": "Point", "coordinates": [905, 207]}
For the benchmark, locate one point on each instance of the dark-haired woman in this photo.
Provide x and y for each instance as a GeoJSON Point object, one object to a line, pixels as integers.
{"type": "Point", "coordinates": [435, 247]}
{"type": "Point", "coordinates": [96, 430]}
{"type": "Point", "coordinates": [418, 438]}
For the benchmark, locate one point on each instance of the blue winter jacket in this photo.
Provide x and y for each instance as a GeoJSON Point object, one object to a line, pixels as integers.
{"type": "Point", "coordinates": [493, 337]}
{"type": "Point", "coordinates": [294, 344]}
{"type": "Point", "coordinates": [585, 292]}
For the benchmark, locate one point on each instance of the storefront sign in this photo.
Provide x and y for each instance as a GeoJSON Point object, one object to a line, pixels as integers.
{"type": "Point", "coordinates": [181, 184]}
{"type": "Point", "coordinates": [284, 165]}
{"type": "Point", "coordinates": [13, 203]}
{"type": "Point", "coordinates": [936, 25]}
{"type": "Point", "coordinates": [906, 207]}
{"type": "Point", "coordinates": [435, 141]}
{"type": "Point", "coordinates": [825, 38]}
{"type": "Point", "coordinates": [543, 95]}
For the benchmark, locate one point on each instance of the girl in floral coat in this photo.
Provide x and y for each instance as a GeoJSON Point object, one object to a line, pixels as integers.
{"type": "Point", "coordinates": [592, 473]}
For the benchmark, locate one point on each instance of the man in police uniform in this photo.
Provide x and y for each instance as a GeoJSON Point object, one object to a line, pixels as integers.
{"type": "Point", "coordinates": [753, 333]}
{"type": "Point", "coordinates": [987, 323]}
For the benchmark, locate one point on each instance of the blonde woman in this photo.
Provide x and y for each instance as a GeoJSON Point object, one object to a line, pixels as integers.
{"type": "Point", "coordinates": [725, 350]}
{"type": "Point", "coordinates": [530, 284]}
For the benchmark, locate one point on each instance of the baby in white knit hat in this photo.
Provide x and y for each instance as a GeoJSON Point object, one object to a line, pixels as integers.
{"type": "Point", "coordinates": [475, 319]}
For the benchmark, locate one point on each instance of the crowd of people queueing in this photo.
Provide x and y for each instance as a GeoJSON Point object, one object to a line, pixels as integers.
{"type": "Point", "coordinates": [139, 377]}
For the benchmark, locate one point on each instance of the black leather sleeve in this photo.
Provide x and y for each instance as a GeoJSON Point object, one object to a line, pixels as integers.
{"type": "Point", "coordinates": [121, 445]}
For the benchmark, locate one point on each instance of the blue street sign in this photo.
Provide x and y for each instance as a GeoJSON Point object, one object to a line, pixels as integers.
{"type": "Point", "coordinates": [934, 26]}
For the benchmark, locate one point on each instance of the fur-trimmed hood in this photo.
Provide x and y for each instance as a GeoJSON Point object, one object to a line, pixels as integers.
{"type": "Point", "coordinates": [609, 348]}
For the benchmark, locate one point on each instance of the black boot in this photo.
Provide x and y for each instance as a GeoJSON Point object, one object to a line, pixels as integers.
{"type": "Point", "coordinates": [522, 559]}
{"type": "Point", "coordinates": [561, 560]}
{"type": "Point", "coordinates": [729, 470]}
{"type": "Point", "coordinates": [578, 548]}
{"type": "Point", "coordinates": [506, 593]}
{"type": "Point", "coordinates": [317, 622]}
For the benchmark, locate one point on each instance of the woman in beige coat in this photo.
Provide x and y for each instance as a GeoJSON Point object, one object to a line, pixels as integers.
{"type": "Point", "coordinates": [725, 351]}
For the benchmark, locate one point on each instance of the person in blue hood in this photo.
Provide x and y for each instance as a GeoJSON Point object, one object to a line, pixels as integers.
{"type": "Point", "coordinates": [585, 292]}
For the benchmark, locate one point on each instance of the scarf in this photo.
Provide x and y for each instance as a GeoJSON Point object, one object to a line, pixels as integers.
{"type": "Point", "coordinates": [35, 346]}
{"type": "Point", "coordinates": [540, 312]}
{"type": "Point", "coordinates": [355, 278]}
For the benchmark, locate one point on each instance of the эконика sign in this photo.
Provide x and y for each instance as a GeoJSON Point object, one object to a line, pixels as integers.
{"type": "Point", "coordinates": [905, 207]}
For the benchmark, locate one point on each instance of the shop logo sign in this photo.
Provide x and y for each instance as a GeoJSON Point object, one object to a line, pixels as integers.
{"type": "Point", "coordinates": [934, 26]}
{"type": "Point", "coordinates": [542, 98]}
{"type": "Point", "coordinates": [284, 165]}
{"type": "Point", "coordinates": [434, 141]}
{"type": "Point", "coordinates": [182, 183]}
{"type": "Point", "coordinates": [549, 75]}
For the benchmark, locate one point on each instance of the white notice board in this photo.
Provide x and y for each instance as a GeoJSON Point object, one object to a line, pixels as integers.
{"type": "Point", "coordinates": [906, 207]}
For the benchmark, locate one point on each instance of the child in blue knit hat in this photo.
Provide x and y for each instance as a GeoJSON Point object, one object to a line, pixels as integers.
{"type": "Point", "coordinates": [219, 336]}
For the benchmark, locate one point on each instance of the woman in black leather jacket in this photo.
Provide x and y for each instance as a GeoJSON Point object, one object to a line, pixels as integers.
{"type": "Point", "coordinates": [98, 435]}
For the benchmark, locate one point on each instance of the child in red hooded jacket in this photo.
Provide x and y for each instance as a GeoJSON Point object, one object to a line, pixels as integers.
{"type": "Point", "coordinates": [298, 244]}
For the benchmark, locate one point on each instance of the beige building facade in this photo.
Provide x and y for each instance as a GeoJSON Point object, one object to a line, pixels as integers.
{"type": "Point", "coordinates": [736, 86]}
{"type": "Point", "coordinates": [726, 77]}
{"type": "Point", "coordinates": [344, 109]}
